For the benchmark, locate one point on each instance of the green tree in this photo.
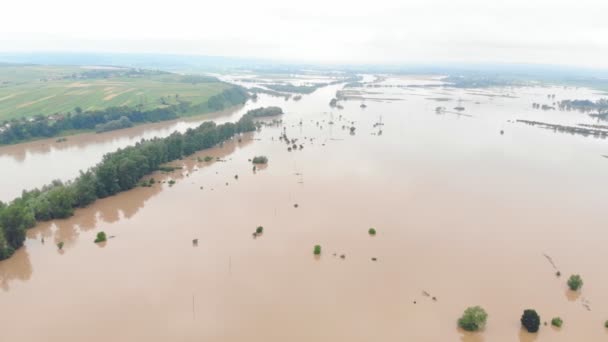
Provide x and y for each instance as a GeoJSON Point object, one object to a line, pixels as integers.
{"type": "Point", "coordinates": [473, 319]}
{"type": "Point", "coordinates": [101, 237]}
{"type": "Point", "coordinates": [15, 219]}
{"type": "Point", "coordinates": [259, 230]}
{"type": "Point", "coordinates": [5, 249]}
{"type": "Point", "coordinates": [61, 200]}
{"type": "Point", "coordinates": [84, 189]}
{"type": "Point", "coordinates": [372, 231]}
{"type": "Point", "coordinates": [317, 250]}
{"type": "Point", "coordinates": [557, 322]}
{"type": "Point", "coordinates": [575, 282]}
{"type": "Point", "coordinates": [530, 320]}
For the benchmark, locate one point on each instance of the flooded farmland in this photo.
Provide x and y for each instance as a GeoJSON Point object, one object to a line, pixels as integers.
{"type": "Point", "coordinates": [470, 207]}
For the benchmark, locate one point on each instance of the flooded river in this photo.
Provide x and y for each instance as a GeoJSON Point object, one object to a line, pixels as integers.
{"type": "Point", "coordinates": [464, 214]}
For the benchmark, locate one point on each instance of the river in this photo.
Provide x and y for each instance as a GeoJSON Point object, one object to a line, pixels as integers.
{"type": "Point", "coordinates": [463, 213]}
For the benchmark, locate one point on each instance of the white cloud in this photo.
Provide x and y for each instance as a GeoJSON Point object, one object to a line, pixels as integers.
{"type": "Point", "coordinates": [533, 31]}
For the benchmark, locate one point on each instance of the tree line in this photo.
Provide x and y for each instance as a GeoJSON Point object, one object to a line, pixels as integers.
{"type": "Point", "coordinates": [118, 171]}
{"type": "Point", "coordinates": [15, 131]}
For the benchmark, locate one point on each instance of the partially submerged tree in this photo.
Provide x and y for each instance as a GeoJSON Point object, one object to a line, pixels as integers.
{"type": "Point", "coordinates": [101, 237]}
{"type": "Point", "coordinates": [473, 319]}
{"type": "Point", "coordinates": [260, 160]}
{"type": "Point", "coordinates": [317, 250]}
{"type": "Point", "coordinates": [575, 282]}
{"type": "Point", "coordinates": [557, 322]}
{"type": "Point", "coordinates": [530, 320]}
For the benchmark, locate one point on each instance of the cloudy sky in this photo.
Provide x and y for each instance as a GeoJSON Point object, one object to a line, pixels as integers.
{"type": "Point", "coordinates": [573, 32]}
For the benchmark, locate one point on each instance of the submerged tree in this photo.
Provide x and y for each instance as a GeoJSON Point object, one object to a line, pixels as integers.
{"type": "Point", "coordinates": [317, 250]}
{"type": "Point", "coordinates": [575, 282]}
{"type": "Point", "coordinates": [557, 322]}
{"type": "Point", "coordinates": [473, 319]}
{"type": "Point", "coordinates": [101, 237]}
{"type": "Point", "coordinates": [530, 320]}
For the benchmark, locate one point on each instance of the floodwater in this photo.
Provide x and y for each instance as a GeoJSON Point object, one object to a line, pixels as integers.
{"type": "Point", "coordinates": [463, 214]}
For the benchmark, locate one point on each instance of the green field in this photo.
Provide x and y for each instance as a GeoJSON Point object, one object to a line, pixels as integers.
{"type": "Point", "coordinates": [27, 91]}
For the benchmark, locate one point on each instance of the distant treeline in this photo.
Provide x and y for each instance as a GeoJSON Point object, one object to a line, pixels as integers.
{"type": "Point", "coordinates": [15, 131]}
{"type": "Point", "coordinates": [600, 105]}
{"type": "Point", "coordinates": [290, 88]}
{"type": "Point", "coordinates": [481, 81]}
{"type": "Point", "coordinates": [307, 89]}
{"type": "Point", "coordinates": [118, 171]}
{"type": "Point", "coordinates": [264, 111]}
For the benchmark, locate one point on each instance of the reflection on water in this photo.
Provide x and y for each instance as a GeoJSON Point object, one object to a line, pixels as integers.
{"type": "Point", "coordinates": [525, 336]}
{"type": "Point", "coordinates": [471, 336]}
{"type": "Point", "coordinates": [572, 295]}
{"type": "Point", "coordinates": [19, 268]}
{"type": "Point", "coordinates": [462, 212]}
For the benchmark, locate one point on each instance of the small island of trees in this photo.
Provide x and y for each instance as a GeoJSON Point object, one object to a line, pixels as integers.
{"type": "Point", "coordinates": [473, 319]}
{"type": "Point", "coordinates": [260, 160]}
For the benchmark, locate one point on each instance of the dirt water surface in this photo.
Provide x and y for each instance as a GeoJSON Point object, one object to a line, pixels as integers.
{"type": "Point", "coordinates": [463, 214]}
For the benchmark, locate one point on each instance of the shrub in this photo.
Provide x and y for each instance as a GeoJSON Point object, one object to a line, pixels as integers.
{"type": "Point", "coordinates": [557, 322]}
{"type": "Point", "coordinates": [473, 318]}
{"type": "Point", "coordinates": [606, 324]}
{"type": "Point", "coordinates": [317, 250]}
{"type": "Point", "coordinates": [530, 320]}
{"type": "Point", "coordinates": [260, 160]}
{"type": "Point", "coordinates": [171, 182]}
{"type": "Point", "coordinates": [259, 230]}
{"type": "Point", "coordinates": [101, 237]}
{"type": "Point", "coordinates": [60, 245]}
{"type": "Point", "coordinates": [208, 158]}
{"type": "Point", "coordinates": [372, 231]}
{"type": "Point", "coordinates": [575, 282]}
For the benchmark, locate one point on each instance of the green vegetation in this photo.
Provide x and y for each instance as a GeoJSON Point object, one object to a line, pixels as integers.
{"type": "Point", "coordinates": [260, 160]}
{"type": "Point", "coordinates": [111, 118]}
{"type": "Point", "coordinates": [290, 88]}
{"type": "Point", "coordinates": [208, 158]}
{"type": "Point", "coordinates": [530, 320]}
{"type": "Point", "coordinates": [101, 237]}
{"type": "Point", "coordinates": [118, 171]}
{"type": "Point", "coordinates": [122, 122]}
{"type": "Point", "coordinates": [60, 245]}
{"type": "Point", "coordinates": [265, 111]}
{"type": "Point", "coordinates": [28, 91]}
{"type": "Point", "coordinates": [171, 182]}
{"type": "Point", "coordinates": [372, 231]}
{"type": "Point", "coordinates": [600, 106]}
{"type": "Point", "coordinates": [575, 282]}
{"type": "Point", "coordinates": [606, 324]}
{"type": "Point", "coordinates": [168, 168]}
{"type": "Point", "coordinates": [317, 250]}
{"type": "Point", "coordinates": [557, 322]}
{"type": "Point", "coordinates": [473, 319]}
{"type": "Point", "coordinates": [259, 230]}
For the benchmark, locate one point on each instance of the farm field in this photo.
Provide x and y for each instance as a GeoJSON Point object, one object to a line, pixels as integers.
{"type": "Point", "coordinates": [28, 90]}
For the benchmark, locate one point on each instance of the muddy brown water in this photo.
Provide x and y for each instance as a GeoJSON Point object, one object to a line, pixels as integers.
{"type": "Point", "coordinates": [462, 212]}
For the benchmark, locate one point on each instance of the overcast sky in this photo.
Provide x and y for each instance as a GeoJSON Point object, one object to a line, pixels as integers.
{"type": "Point", "coordinates": [381, 31]}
